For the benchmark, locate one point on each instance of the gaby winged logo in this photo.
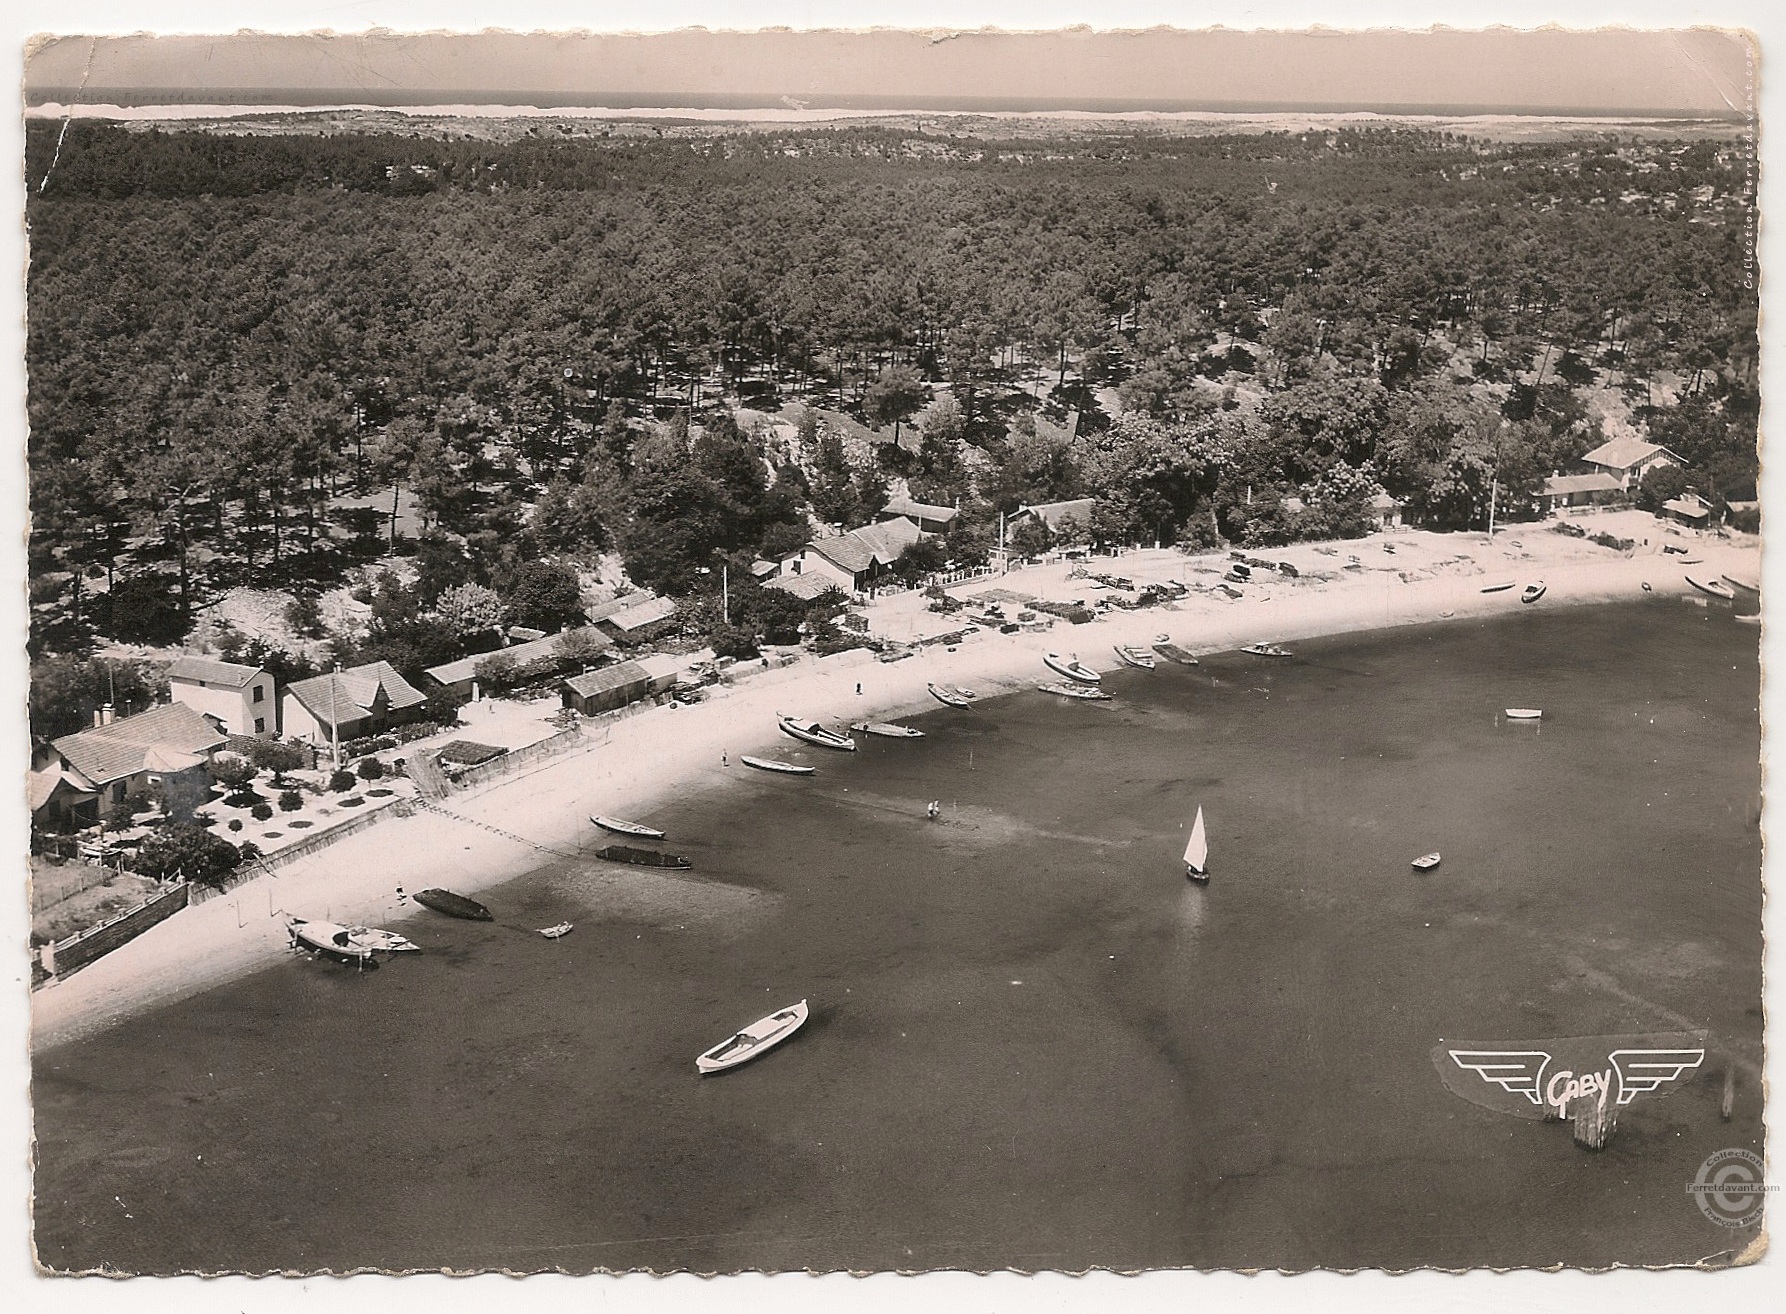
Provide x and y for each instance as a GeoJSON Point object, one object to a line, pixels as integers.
{"type": "Point", "coordinates": [1545, 1078]}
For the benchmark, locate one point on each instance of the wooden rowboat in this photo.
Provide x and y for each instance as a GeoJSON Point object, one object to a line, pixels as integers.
{"type": "Point", "coordinates": [1065, 690]}
{"type": "Point", "coordinates": [1266, 650]}
{"type": "Point", "coordinates": [642, 857]}
{"type": "Point", "coordinates": [1071, 667]}
{"type": "Point", "coordinates": [1713, 587]}
{"type": "Point", "coordinates": [886, 730]}
{"type": "Point", "coordinates": [1134, 657]}
{"type": "Point", "coordinates": [1746, 585]}
{"type": "Point", "coordinates": [811, 732]}
{"type": "Point", "coordinates": [632, 828]}
{"type": "Point", "coordinates": [1499, 586]}
{"type": "Point", "coordinates": [557, 932]}
{"type": "Point", "coordinates": [756, 1039]}
{"type": "Point", "coordinates": [1425, 863]}
{"type": "Point", "coordinates": [1532, 592]}
{"type": "Point", "coordinates": [1173, 653]}
{"type": "Point", "coordinates": [951, 697]}
{"type": "Point", "coordinates": [381, 941]}
{"type": "Point", "coordinates": [454, 905]}
{"type": "Point", "coordinates": [1524, 713]}
{"type": "Point", "coordinates": [775, 764]}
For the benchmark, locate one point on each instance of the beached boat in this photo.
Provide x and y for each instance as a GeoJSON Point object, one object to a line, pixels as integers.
{"type": "Point", "coordinates": [329, 940]}
{"type": "Point", "coordinates": [775, 764]}
{"type": "Point", "coordinates": [381, 941]}
{"type": "Point", "coordinates": [642, 857]}
{"type": "Point", "coordinates": [811, 732]}
{"type": "Point", "coordinates": [1134, 657]}
{"type": "Point", "coordinates": [1524, 713]}
{"type": "Point", "coordinates": [1227, 590]}
{"type": "Point", "coordinates": [1712, 587]}
{"type": "Point", "coordinates": [633, 828]}
{"type": "Point", "coordinates": [1532, 592]}
{"type": "Point", "coordinates": [886, 730]}
{"type": "Point", "coordinates": [1173, 653]}
{"type": "Point", "coordinates": [1746, 585]}
{"type": "Point", "coordinates": [757, 1038]}
{"type": "Point", "coordinates": [1196, 850]}
{"type": "Point", "coordinates": [1071, 667]}
{"type": "Point", "coordinates": [1067, 690]}
{"type": "Point", "coordinates": [948, 696]}
{"type": "Point", "coordinates": [1425, 863]}
{"type": "Point", "coordinates": [1753, 618]}
{"type": "Point", "coordinates": [557, 932]}
{"type": "Point", "coordinates": [454, 905]}
{"type": "Point", "coordinates": [1499, 586]}
{"type": "Point", "coordinates": [1266, 650]}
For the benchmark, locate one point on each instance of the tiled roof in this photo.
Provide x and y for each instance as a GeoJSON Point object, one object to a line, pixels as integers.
{"type": "Point", "coordinates": [210, 671]}
{"type": "Point", "coordinates": [354, 694]}
{"type": "Point", "coordinates": [846, 551]}
{"type": "Point", "coordinates": [647, 611]}
{"type": "Point", "coordinates": [466, 667]}
{"type": "Point", "coordinates": [1623, 453]}
{"type": "Point", "coordinates": [1689, 506]}
{"type": "Point", "coordinates": [859, 549]}
{"type": "Point", "coordinates": [802, 586]}
{"type": "Point", "coordinates": [904, 506]}
{"type": "Point", "coordinates": [1562, 485]}
{"type": "Point", "coordinates": [111, 752]}
{"type": "Point", "coordinates": [617, 676]}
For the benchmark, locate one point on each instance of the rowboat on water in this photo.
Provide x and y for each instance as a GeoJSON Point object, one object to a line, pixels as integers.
{"type": "Point", "coordinates": [1266, 650]}
{"type": "Point", "coordinates": [1425, 863]}
{"type": "Point", "coordinates": [775, 764]}
{"type": "Point", "coordinates": [757, 1038]}
{"type": "Point", "coordinates": [557, 932]}
{"type": "Point", "coordinates": [1173, 653]}
{"type": "Point", "coordinates": [1066, 690]}
{"type": "Point", "coordinates": [1196, 850]}
{"type": "Point", "coordinates": [633, 828]}
{"type": "Point", "coordinates": [1532, 592]}
{"type": "Point", "coordinates": [811, 732]}
{"type": "Point", "coordinates": [329, 941]}
{"type": "Point", "coordinates": [1071, 667]}
{"type": "Point", "coordinates": [1753, 618]}
{"type": "Point", "coordinates": [1499, 586]}
{"type": "Point", "coordinates": [948, 696]}
{"type": "Point", "coordinates": [1712, 587]}
{"type": "Point", "coordinates": [381, 941]}
{"type": "Point", "coordinates": [886, 730]}
{"type": "Point", "coordinates": [1129, 656]}
{"type": "Point", "coordinates": [642, 857]}
{"type": "Point", "coordinates": [1524, 713]}
{"type": "Point", "coordinates": [1746, 585]}
{"type": "Point", "coordinates": [454, 905]}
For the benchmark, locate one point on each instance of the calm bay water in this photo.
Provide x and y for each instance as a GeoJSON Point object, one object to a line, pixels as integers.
{"type": "Point", "coordinates": [1033, 1043]}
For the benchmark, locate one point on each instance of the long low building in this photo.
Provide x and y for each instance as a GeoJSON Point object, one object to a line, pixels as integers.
{"type": "Point", "coordinates": [586, 643]}
{"type": "Point", "coordinates": [622, 683]}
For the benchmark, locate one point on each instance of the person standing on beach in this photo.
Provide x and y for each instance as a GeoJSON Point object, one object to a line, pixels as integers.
{"type": "Point", "coordinates": [724, 759]}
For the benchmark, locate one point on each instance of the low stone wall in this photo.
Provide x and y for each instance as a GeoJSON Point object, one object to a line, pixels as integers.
{"type": "Point", "coordinates": [74, 953]}
{"type": "Point", "coordinates": [396, 807]}
{"type": "Point", "coordinates": [565, 741]}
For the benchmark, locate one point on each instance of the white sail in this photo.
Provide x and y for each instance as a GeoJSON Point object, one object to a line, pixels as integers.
{"type": "Point", "coordinates": [1196, 853]}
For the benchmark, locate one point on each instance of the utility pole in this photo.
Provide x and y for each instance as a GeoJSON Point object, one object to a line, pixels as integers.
{"type": "Point", "coordinates": [725, 593]}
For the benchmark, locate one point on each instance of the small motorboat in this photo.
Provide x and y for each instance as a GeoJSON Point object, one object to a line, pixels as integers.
{"type": "Point", "coordinates": [557, 932]}
{"type": "Point", "coordinates": [1713, 587]}
{"type": "Point", "coordinates": [454, 905]}
{"type": "Point", "coordinates": [1266, 650]}
{"type": "Point", "coordinates": [329, 941]}
{"type": "Point", "coordinates": [1532, 592]}
{"type": "Point", "coordinates": [642, 857]}
{"type": "Point", "coordinates": [757, 1038]}
{"type": "Point", "coordinates": [1196, 850]}
{"type": "Point", "coordinates": [775, 764]}
{"type": "Point", "coordinates": [886, 730]}
{"type": "Point", "coordinates": [1135, 657]}
{"type": "Point", "coordinates": [1066, 690]}
{"type": "Point", "coordinates": [632, 828]}
{"type": "Point", "coordinates": [811, 732]}
{"type": "Point", "coordinates": [1746, 585]}
{"type": "Point", "coordinates": [381, 941]}
{"type": "Point", "coordinates": [1425, 863]}
{"type": "Point", "coordinates": [1071, 667]}
{"type": "Point", "coordinates": [1173, 653]}
{"type": "Point", "coordinates": [1499, 586]}
{"type": "Point", "coordinates": [1524, 713]}
{"type": "Point", "coordinates": [950, 697]}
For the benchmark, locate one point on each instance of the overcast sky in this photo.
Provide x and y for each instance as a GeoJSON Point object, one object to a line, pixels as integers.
{"type": "Point", "coordinates": [1681, 72]}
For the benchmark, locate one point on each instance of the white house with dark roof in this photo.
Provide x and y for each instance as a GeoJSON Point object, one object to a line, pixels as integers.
{"type": "Point", "coordinates": [1561, 490]}
{"type": "Point", "coordinates": [95, 772]}
{"type": "Point", "coordinates": [350, 704]}
{"type": "Point", "coordinates": [1628, 460]}
{"type": "Point", "coordinates": [854, 560]}
{"type": "Point", "coordinates": [1069, 516]}
{"type": "Point", "coordinates": [242, 698]}
{"type": "Point", "coordinates": [928, 518]}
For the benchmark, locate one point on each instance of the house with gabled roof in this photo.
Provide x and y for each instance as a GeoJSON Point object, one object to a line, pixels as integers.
{"type": "Point", "coordinates": [854, 560]}
{"type": "Point", "coordinates": [242, 698]}
{"type": "Point", "coordinates": [351, 704]}
{"type": "Point", "coordinates": [93, 773]}
{"type": "Point", "coordinates": [928, 518]}
{"type": "Point", "coordinates": [1628, 459]}
{"type": "Point", "coordinates": [1070, 516]}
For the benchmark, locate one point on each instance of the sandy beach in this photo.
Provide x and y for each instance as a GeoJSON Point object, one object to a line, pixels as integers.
{"type": "Point", "coordinates": [636, 763]}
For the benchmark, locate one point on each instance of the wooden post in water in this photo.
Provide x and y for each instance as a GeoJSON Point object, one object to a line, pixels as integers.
{"type": "Point", "coordinates": [1729, 1090]}
{"type": "Point", "coordinates": [1592, 1124]}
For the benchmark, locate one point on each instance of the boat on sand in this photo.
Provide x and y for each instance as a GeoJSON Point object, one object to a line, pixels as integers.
{"type": "Point", "coordinates": [1499, 586]}
{"type": "Point", "coordinates": [1071, 667]}
{"type": "Point", "coordinates": [886, 730]}
{"type": "Point", "coordinates": [328, 940]}
{"type": "Point", "coordinates": [951, 697]}
{"type": "Point", "coordinates": [1196, 851]}
{"type": "Point", "coordinates": [775, 764]}
{"type": "Point", "coordinates": [1747, 585]}
{"type": "Point", "coordinates": [754, 1040]}
{"type": "Point", "coordinates": [454, 905]}
{"type": "Point", "coordinates": [1524, 713]}
{"type": "Point", "coordinates": [632, 828]}
{"type": "Point", "coordinates": [1713, 587]}
{"type": "Point", "coordinates": [642, 857]}
{"type": "Point", "coordinates": [381, 941]}
{"type": "Point", "coordinates": [1082, 691]}
{"type": "Point", "coordinates": [1532, 592]}
{"type": "Point", "coordinates": [1130, 656]}
{"type": "Point", "coordinates": [811, 732]}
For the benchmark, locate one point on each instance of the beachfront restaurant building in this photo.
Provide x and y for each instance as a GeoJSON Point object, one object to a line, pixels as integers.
{"type": "Point", "coordinates": [351, 704]}
{"type": "Point", "coordinates": [162, 755]}
{"type": "Point", "coordinates": [240, 697]}
{"type": "Point", "coordinates": [623, 683]}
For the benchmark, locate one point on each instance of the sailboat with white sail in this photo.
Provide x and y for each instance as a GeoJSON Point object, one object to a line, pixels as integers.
{"type": "Point", "coordinates": [1196, 852]}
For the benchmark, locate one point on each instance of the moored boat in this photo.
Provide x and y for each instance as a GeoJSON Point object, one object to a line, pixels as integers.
{"type": "Point", "coordinates": [1712, 587]}
{"type": "Point", "coordinates": [1499, 586]}
{"type": "Point", "coordinates": [886, 730]}
{"type": "Point", "coordinates": [1532, 592]}
{"type": "Point", "coordinates": [1745, 584]}
{"type": "Point", "coordinates": [756, 1039]}
{"type": "Point", "coordinates": [947, 696]}
{"type": "Point", "coordinates": [1066, 690]}
{"type": "Point", "coordinates": [1753, 618]}
{"type": "Point", "coordinates": [1071, 667]}
{"type": "Point", "coordinates": [1196, 850]}
{"type": "Point", "coordinates": [381, 941]}
{"type": "Point", "coordinates": [633, 828]}
{"type": "Point", "coordinates": [775, 764]}
{"type": "Point", "coordinates": [642, 857]}
{"type": "Point", "coordinates": [1266, 650]}
{"type": "Point", "coordinates": [1425, 863]}
{"type": "Point", "coordinates": [811, 732]}
{"type": "Point", "coordinates": [1134, 657]}
{"type": "Point", "coordinates": [454, 905]}
{"type": "Point", "coordinates": [557, 932]}
{"type": "Point", "coordinates": [1173, 653]}
{"type": "Point", "coordinates": [1524, 713]}
{"type": "Point", "coordinates": [329, 940]}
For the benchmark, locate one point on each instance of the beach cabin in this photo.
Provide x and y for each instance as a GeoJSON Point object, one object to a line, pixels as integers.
{"type": "Point", "coordinates": [853, 561]}
{"type": "Point", "coordinates": [1688, 509]}
{"type": "Point", "coordinates": [1562, 491]}
{"type": "Point", "coordinates": [640, 618]}
{"type": "Point", "coordinates": [240, 698]}
{"type": "Point", "coordinates": [1628, 460]}
{"type": "Point", "coordinates": [351, 704]}
{"type": "Point", "coordinates": [621, 684]}
{"type": "Point", "coordinates": [162, 753]}
{"type": "Point", "coordinates": [929, 519]}
{"type": "Point", "coordinates": [1386, 511]}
